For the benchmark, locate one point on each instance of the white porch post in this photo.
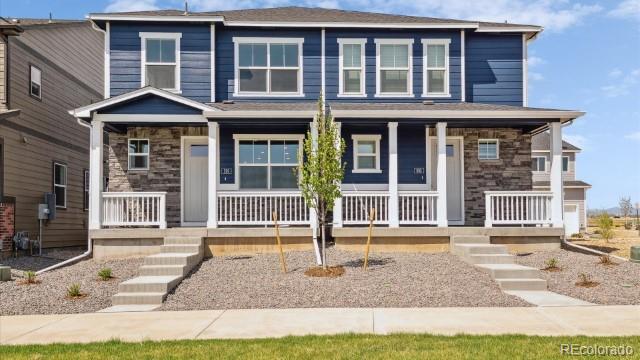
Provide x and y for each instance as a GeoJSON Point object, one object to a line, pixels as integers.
{"type": "Point", "coordinates": [95, 174]}
{"type": "Point", "coordinates": [393, 175]}
{"type": "Point", "coordinates": [212, 175]}
{"type": "Point", "coordinates": [337, 206]}
{"type": "Point", "coordinates": [556, 174]}
{"type": "Point", "coordinates": [441, 132]}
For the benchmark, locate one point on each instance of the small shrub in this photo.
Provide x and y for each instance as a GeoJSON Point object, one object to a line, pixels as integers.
{"type": "Point", "coordinates": [105, 274]}
{"type": "Point", "coordinates": [606, 260]}
{"type": "Point", "coordinates": [605, 223]}
{"type": "Point", "coordinates": [577, 236]}
{"type": "Point", "coordinates": [74, 291]}
{"type": "Point", "coordinates": [30, 277]}
{"type": "Point", "coordinates": [552, 265]}
{"type": "Point", "coordinates": [585, 280]}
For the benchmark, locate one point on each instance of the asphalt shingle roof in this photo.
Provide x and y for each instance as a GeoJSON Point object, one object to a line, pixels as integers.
{"type": "Point", "coordinates": [542, 142]}
{"type": "Point", "coordinates": [571, 183]}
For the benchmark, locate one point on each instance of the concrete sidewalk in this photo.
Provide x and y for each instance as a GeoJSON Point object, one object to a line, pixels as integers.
{"type": "Point", "coordinates": [261, 323]}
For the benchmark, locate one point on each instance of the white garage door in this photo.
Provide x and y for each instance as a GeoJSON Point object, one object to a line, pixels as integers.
{"type": "Point", "coordinates": [571, 220]}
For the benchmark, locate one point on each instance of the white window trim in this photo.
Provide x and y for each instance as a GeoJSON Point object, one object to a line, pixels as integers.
{"type": "Point", "coordinates": [568, 164]}
{"type": "Point", "coordinates": [31, 67]}
{"type": "Point", "coordinates": [409, 43]}
{"type": "Point", "coordinates": [268, 41]}
{"type": "Point", "coordinates": [147, 154]}
{"type": "Point", "coordinates": [268, 137]}
{"type": "Point", "coordinates": [363, 67]}
{"type": "Point", "coordinates": [425, 68]}
{"type": "Point", "coordinates": [66, 182]}
{"type": "Point", "coordinates": [356, 138]}
{"type": "Point", "coordinates": [497, 141]}
{"type": "Point", "coordinates": [144, 36]}
{"type": "Point", "coordinates": [544, 162]}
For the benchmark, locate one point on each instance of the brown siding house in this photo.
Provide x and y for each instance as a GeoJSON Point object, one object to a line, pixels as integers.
{"type": "Point", "coordinates": [52, 66]}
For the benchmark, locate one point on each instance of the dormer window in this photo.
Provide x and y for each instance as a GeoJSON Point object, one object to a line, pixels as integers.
{"type": "Point", "coordinates": [393, 67]}
{"type": "Point", "coordinates": [268, 66]}
{"type": "Point", "coordinates": [436, 67]}
{"type": "Point", "coordinates": [161, 60]}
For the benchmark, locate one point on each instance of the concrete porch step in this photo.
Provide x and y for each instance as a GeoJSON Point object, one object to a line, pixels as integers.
{"type": "Point", "coordinates": [146, 298]}
{"type": "Point", "coordinates": [490, 259]}
{"type": "Point", "coordinates": [180, 248]}
{"type": "Point", "coordinates": [144, 284]}
{"type": "Point", "coordinates": [479, 249]}
{"type": "Point", "coordinates": [470, 239]}
{"type": "Point", "coordinates": [510, 271]}
{"type": "Point", "coordinates": [522, 284]}
{"type": "Point", "coordinates": [186, 259]}
{"type": "Point", "coordinates": [182, 240]}
{"type": "Point", "coordinates": [163, 270]}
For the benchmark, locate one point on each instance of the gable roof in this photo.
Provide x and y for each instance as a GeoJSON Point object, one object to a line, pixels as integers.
{"type": "Point", "coordinates": [315, 16]}
{"type": "Point", "coordinates": [542, 142]}
{"type": "Point", "coordinates": [86, 112]}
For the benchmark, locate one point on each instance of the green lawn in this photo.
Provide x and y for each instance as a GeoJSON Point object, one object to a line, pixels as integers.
{"type": "Point", "coordinates": [401, 346]}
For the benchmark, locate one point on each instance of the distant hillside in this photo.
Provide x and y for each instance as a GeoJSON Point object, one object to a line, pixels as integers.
{"type": "Point", "coordinates": [614, 211]}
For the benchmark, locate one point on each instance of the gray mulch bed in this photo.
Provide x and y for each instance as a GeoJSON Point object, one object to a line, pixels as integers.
{"type": "Point", "coordinates": [49, 295]}
{"type": "Point", "coordinates": [393, 280]}
{"type": "Point", "coordinates": [619, 284]}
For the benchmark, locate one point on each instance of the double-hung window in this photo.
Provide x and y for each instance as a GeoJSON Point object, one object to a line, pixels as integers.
{"type": "Point", "coordinates": [268, 162]}
{"type": "Point", "coordinates": [35, 82]}
{"type": "Point", "coordinates": [488, 149]}
{"type": "Point", "coordinates": [393, 64]}
{"type": "Point", "coordinates": [352, 67]}
{"type": "Point", "coordinates": [161, 60]}
{"type": "Point", "coordinates": [436, 67]}
{"type": "Point", "coordinates": [366, 153]}
{"type": "Point", "coordinates": [138, 154]}
{"type": "Point", "coordinates": [269, 66]}
{"type": "Point", "coordinates": [538, 163]}
{"type": "Point", "coordinates": [60, 184]}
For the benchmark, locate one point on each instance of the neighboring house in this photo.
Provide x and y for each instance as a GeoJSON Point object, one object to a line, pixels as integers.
{"type": "Point", "coordinates": [575, 191]}
{"type": "Point", "coordinates": [206, 113]}
{"type": "Point", "coordinates": [53, 65]}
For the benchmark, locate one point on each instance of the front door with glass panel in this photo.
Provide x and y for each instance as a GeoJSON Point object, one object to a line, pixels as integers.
{"type": "Point", "coordinates": [195, 181]}
{"type": "Point", "coordinates": [454, 178]}
{"type": "Point", "coordinates": [268, 164]}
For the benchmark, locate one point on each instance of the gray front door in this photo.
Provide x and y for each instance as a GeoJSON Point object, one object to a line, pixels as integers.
{"type": "Point", "coordinates": [454, 177]}
{"type": "Point", "coordinates": [195, 182]}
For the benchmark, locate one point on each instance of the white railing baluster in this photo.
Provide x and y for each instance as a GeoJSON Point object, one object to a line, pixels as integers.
{"type": "Point", "coordinates": [133, 209]}
{"type": "Point", "coordinates": [518, 208]}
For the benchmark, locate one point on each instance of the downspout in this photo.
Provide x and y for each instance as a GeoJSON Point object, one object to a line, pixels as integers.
{"type": "Point", "coordinates": [89, 243]}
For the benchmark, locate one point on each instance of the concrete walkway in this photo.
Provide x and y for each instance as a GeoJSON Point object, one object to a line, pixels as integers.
{"type": "Point", "coordinates": [261, 323]}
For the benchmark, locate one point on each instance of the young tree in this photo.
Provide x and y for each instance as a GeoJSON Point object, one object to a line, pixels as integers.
{"type": "Point", "coordinates": [322, 170]}
{"type": "Point", "coordinates": [625, 210]}
{"type": "Point", "coordinates": [605, 223]}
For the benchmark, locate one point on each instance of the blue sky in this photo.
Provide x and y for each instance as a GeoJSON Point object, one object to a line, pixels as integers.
{"type": "Point", "coordinates": [588, 58]}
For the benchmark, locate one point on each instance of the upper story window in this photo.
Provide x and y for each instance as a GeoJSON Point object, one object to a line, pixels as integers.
{"type": "Point", "coordinates": [393, 67]}
{"type": "Point", "coordinates": [138, 154]}
{"type": "Point", "coordinates": [161, 60]}
{"type": "Point", "coordinates": [565, 163]}
{"type": "Point", "coordinates": [35, 81]}
{"type": "Point", "coordinates": [268, 66]}
{"type": "Point", "coordinates": [366, 153]}
{"type": "Point", "coordinates": [60, 184]}
{"type": "Point", "coordinates": [538, 163]}
{"type": "Point", "coordinates": [352, 67]}
{"type": "Point", "coordinates": [488, 149]}
{"type": "Point", "coordinates": [436, 67]}
{"type": "Point", "coordinates": [268, 161]}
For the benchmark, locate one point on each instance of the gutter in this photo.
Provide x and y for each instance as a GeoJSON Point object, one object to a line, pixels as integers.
{"type": "Point", "coordinates": [89, 243]}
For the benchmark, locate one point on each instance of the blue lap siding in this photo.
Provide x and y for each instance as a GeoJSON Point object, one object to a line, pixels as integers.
{"type": "Point", "coordinates": [411, 154]}
{"type": "Point", "coordinates": [195, 57]}
{"type": "Point", "coordinates": [494, 68]}
{"type": "Point", "coordinates": [365, 178]}
{"type": "Point", "coordinates": [154, 105]}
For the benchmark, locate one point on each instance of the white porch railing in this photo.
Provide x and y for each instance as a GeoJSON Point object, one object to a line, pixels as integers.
{"type": "Point", "coordinates": [518, 208]}
{"type": "Point", "coordinates": [417, 207]}
{"type": "Point", "coordinates": [357, 205]}
{"type": "Point", "coordinates": [255, 208]}
{"type": "Point", "coordinates": [134, 209]}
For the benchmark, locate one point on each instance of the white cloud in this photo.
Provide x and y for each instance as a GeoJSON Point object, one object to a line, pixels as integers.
{"type": "Point", "coordinates": [624, 83]}
{"type": "Point", "coordinates": [615, 73]}
{"type": "Point", "coordinates": [534, 61]}
{"type": "Point", "coordinates": [633, 136]}
{"type": "Point", "coordinates": [553, 15]}
{"type": "Point", "coordinates": [535, 76]}
{"type": "Point", "coordinates": [577, 140]}
{"type": "Point", "coordinates": [131, 5]}
{"type": "Point", "coordinates": [629, 9]}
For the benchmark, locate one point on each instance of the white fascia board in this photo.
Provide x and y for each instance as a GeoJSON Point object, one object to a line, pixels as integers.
{"type": "Point", "coordinates": [178, 18]}
{"type": "Point", "coordinates": [521, 29]}
{"type": "Point", "coordinates": [85, 111]}
{"type": "Point", "coordinates": [457, 114]}
{"type": "Point", "coordinates": [149, 118]}
{"type": "Point", "coordinates": [282, 114]}
{"type": "Point", "coordinates": [351, 25]}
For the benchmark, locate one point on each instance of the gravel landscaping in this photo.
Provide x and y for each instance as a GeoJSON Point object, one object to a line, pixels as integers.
{"type": "Point", "coordinates": [392, 280]}
{"type": "Point", "coordinates": [49, 295]}
{"type": "Point", "coordinates": [618, 284]}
